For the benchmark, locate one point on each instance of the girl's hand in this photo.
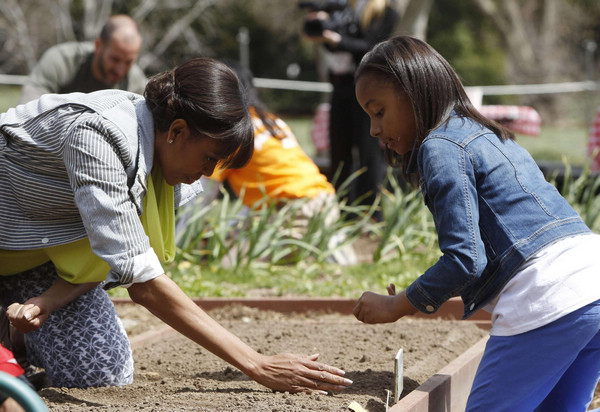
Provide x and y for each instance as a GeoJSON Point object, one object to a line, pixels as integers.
{"type": "Point", "coordinates": [294, 373]}
{"type": "Point", "coordinates": [375, 308]}
{"type": "Point", "coordinates": [28, 316]}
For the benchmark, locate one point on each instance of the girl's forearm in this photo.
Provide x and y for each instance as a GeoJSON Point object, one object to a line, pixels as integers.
{"type": "Point", "coordinates": [405, 308]}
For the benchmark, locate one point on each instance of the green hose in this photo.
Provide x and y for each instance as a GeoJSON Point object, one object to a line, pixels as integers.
{"type": "Point", "coordinates": [20, 392]}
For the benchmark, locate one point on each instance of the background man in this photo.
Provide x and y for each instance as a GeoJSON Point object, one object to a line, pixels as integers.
{"type": "Point", "coordinates": [107, 63]}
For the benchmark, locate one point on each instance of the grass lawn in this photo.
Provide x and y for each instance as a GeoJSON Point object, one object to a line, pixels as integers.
{"type": "Point", "coordinates": [558, 144]}
{"type": "Point", "coordinates": [317, 280]}
{"type": "Point", "coordinates": [9, 97]}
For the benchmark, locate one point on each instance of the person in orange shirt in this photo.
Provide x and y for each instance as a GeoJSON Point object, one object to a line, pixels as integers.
{"type": "Point", "coordinates": [280, 170]}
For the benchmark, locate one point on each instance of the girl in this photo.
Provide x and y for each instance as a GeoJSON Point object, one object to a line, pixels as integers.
{"type": "Point", "coordinates": [88, 188]}
{"type": "Point", "coordinates": [510, 242]}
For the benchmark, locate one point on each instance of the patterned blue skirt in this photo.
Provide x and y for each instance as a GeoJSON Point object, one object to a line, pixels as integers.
{"type": "Point", "coordinates": [81, 345]}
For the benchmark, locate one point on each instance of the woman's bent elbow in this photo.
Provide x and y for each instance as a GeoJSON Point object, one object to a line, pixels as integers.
{"type": "Point", "coordinates": [151, 292]}
{"type": "Point", "coordinates": [140, 293]}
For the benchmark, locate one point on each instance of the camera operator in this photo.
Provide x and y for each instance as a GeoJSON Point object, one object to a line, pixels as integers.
{"type": "Point", "coordinates": [349, 30]}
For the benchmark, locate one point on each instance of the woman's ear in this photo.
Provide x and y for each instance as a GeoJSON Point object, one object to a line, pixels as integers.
{"type": "Point", "coordinates": [178, 130]}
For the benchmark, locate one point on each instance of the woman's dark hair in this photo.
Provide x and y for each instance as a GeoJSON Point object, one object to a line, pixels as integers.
{"type": "Point", "coordinates": [247, 80]}
{"type": "Point", "coordinates": [432, 85]}
{"type": "Point", "coordinates": [207, 95]}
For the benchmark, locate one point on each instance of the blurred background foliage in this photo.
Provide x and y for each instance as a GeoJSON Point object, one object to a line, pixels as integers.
{"type": "Point", "coordinates": [469, 43]}
{"type": "Point", "coordinates": [489, 42]}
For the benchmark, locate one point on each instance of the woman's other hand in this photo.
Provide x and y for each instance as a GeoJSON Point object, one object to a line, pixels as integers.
{"type": "Point", "coordinates": [295, 373]}
{"type": "Point", "coordinates": [28, 316]}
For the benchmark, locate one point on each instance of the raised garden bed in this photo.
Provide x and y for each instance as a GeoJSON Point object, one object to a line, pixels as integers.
{"type": "Point", "coordinates": [173, 373]}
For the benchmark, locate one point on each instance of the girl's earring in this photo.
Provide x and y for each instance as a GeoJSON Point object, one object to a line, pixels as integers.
{"type": "Point", "coordinates": [171, 141]}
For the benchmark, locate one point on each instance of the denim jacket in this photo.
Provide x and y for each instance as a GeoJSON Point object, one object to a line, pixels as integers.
{"type": "Point", "coordinates": [493, 209]}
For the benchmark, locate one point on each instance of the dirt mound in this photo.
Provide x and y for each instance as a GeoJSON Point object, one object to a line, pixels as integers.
{"type": "Point", "coordinates": [174, 374]}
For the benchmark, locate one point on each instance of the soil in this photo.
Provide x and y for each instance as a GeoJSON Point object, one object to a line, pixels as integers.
{"type": "Point", "coordinates": [174, 374]}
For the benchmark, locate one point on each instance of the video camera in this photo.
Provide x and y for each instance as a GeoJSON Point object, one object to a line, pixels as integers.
{"type": "Point", "coordinates": [341, 19]}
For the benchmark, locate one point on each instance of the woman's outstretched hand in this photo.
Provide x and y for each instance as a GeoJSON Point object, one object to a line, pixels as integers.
{"type": "Point", "coordinates": [28, 316]}
{"type": "Point", "coordinates": [294, 373]}
{"type": "Point", "coordinates": [285, 372]}
{"type": "Point", "coordinates": [375, 308]}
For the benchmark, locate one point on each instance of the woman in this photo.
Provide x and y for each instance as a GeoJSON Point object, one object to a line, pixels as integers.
{"type": "Point", "coordinates": [510, 243]}
{"type": "Point", "coordinates": [88, 186]}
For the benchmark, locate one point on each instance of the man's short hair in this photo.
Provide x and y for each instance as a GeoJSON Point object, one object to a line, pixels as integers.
{"type": "Point", "coordinates": [114, 23]}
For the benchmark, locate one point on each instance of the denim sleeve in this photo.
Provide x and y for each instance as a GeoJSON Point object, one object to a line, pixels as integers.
{"type": "Point", "coordinates": [95, 159]}
{"type": "Point", "coordinates": [449, 189]}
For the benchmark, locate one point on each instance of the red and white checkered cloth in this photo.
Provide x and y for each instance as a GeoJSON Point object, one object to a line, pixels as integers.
{"type": "Point", "coordinates": [320, 129]}
{"type": "Point", "coordinates": [519, 119]}
{"type": "Point", "coordinates": [8, 364]}
{"type": "Point", "coordinates": [594, 143]}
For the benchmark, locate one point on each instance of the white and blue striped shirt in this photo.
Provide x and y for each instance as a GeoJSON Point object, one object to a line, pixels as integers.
{"type": "Point", "coordinates": [75, 166]}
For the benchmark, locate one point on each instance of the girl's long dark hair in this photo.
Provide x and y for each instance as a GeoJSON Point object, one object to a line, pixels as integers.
{"type": "Point", "coordinates": [208, 96]}
{"type": "Point", "coordinates": [432, 85]}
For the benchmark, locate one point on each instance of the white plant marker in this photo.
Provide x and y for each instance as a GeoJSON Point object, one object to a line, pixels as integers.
{"type": "Point", "coordinates": [387, 399]}
{"type": "Point", "coordinates": [398, 375]}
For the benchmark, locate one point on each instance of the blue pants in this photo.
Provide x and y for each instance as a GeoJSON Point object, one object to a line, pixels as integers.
{"type": "Point", "coordinates": [552, 368]}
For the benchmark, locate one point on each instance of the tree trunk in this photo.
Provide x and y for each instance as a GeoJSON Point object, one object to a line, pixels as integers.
{"type": "Point", "coordinates": [16, 19]}
{"type": "Point", "coordinates": [415, 18]}
{"type": "Point", "coordinates": [528, 29]}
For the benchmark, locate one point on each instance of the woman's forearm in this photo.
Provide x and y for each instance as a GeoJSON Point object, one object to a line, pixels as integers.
{"type": "Point", "coordinates": [284, 372]}
{"type": "Point", "coordinates": [168, 302]}
{"type": "Point", "coordinates": [63, 292]}
{"type": "Point", "coordinates": [31, 314]}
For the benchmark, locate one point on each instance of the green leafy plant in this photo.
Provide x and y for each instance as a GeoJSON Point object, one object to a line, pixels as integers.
{"type": "Point", "coordinates": [582, 193]}
{"type": "Point", "coordinates": [226, 232]}
{"type": "Point", "coordinates": [407, 225]}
